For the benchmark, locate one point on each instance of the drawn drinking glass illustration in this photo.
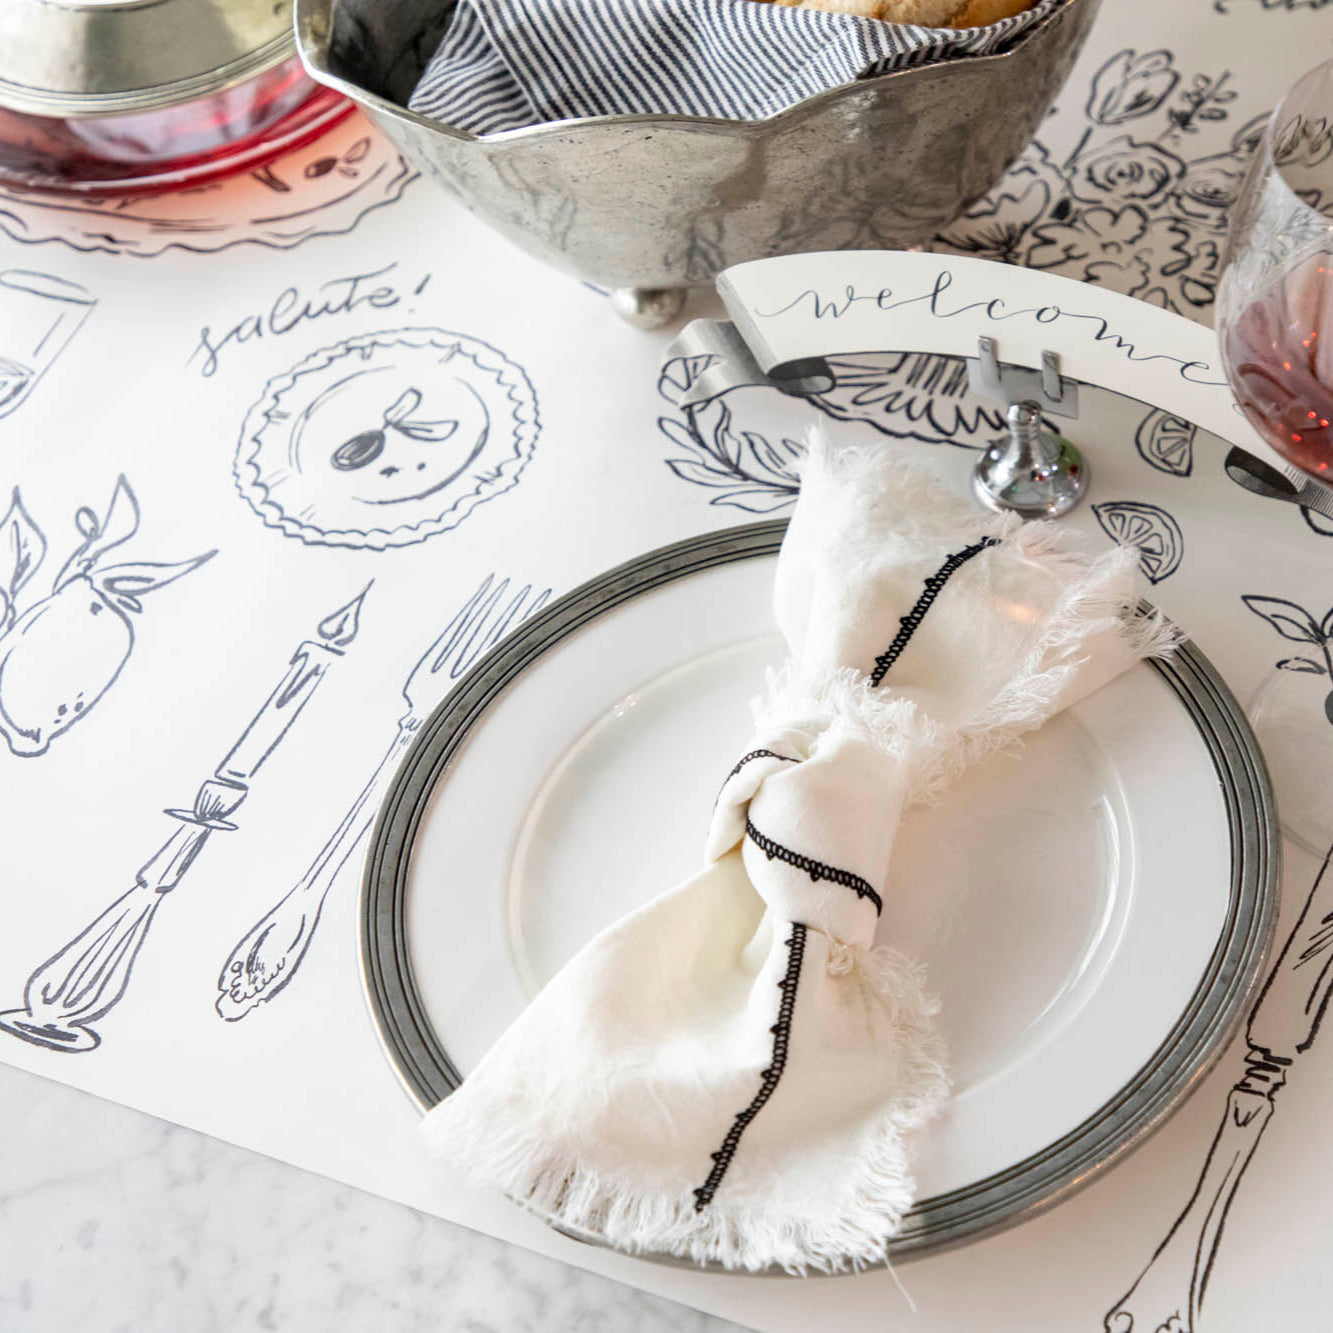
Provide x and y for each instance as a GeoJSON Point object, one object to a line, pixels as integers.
{"type": "Point", "coordinates": [66, 650]}
{"type": "Point", "coordinates": [39, 314]}
{"type": "Point", "coordinates": [74, 989]}
{"type": "Point", "coordinates": [263, 964]}
{"type": "Point", "coordinates": [386, 439]}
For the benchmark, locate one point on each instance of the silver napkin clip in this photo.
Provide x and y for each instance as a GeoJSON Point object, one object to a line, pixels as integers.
{"type": "Point", "coordinates": [726, 362]}
{"type": "Point", "coordinates": [1054, 393]}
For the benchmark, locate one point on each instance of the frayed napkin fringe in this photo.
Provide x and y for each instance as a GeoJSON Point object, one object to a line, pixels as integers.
{"type": "Point", "coordinates": [530, 1160]}
{"type": "Point", "coordinates": [1102, 599]}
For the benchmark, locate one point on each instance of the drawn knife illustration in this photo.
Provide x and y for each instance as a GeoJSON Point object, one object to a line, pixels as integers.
{"type": "Point", "coordinates": [1168, 1297]}
{"type": "Point", "coordinates": [267, 958]}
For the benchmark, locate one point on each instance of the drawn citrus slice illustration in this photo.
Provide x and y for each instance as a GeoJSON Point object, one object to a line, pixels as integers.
{"type": "Point", "coordinates": [1166, 442]}
{"type": "Point", "coordinates": [1150, 530]}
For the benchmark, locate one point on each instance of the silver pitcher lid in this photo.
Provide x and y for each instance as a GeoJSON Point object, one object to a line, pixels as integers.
{"type": "Point", "coordinates": [100, 57]}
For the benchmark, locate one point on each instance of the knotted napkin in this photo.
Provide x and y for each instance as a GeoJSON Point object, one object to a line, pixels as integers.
{"type": "Point", "coordinates": [733, 1072]}
{"type": "Point", "coordinates": [507, 64]}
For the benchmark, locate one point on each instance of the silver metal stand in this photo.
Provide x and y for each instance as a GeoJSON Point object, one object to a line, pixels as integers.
{"type": "Point", "coordinates": [1033, 471]}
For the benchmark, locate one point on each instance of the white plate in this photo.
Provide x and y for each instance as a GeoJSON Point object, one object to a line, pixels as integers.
{"type": "Point", "coordinates": [1091, 910]}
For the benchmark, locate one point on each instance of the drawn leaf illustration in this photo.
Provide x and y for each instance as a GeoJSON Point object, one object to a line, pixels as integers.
{"type": "Point", "coordinates": [22, 548]}
{"type": "Point", "coordinates": [1291, 621]}
{"type": "Point", "coordinates": [430, 431]}
{"type": "Point", "coordinates": [1301, 664]}
{"type": "Point", "coordinates": [404, 405]}
{"type": "Point", "coordinates": [1326, 626]}
{"type": "Point", "coordinates": [126, 584]}
{"type": "Point", "coordinates": [689, 469]}
{"type": "Point", "coordinates": [726, 446]}
{"type": "Point", "coordinates": [759, 500]}
{"type": "Point", "coordinates": [119, 525]}
{"type": "Point", "coordinates": [679, 433]}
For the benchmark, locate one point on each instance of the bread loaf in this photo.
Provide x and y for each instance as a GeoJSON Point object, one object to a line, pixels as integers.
{"type": "Point", "coordinates": [924, 13]}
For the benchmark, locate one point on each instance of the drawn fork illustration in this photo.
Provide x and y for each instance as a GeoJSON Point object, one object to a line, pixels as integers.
{"type": "Point", "coordinates": [263, 964]}
{"type": "Point", "coordinates": [86, 978]}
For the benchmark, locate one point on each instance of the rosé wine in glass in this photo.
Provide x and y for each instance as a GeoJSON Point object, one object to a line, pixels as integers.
{"type": "Point", "coordinates": [1275, 300]}
{"type": "Point", "coordinates": [1275, 327]}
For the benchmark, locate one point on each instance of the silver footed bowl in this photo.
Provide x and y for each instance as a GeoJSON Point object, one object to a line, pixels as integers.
{"type": "Point", "coordinates": [651, 205]}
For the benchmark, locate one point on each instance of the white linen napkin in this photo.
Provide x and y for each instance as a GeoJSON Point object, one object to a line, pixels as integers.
{"type": "Point", "coordinates": [733, 1072]}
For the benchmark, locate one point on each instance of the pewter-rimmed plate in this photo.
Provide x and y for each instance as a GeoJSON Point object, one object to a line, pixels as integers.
{"type": "Point", "coordinates": [1093, 910]}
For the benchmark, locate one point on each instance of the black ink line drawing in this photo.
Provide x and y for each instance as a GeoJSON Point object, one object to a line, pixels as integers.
{"type": "Point", "coordinates": [1169, 1294]}
{"type": "Point", "coordinates": [386, 439]}
{"type": "Point", "coordinates": [744, 468]}
{"type": "Point", "coordinates": [62, 654]}
{"type": "Point", "coordinates": [1139, 205]}
{"type": "Point", "coordinates": [39, 313]}
{"type": "Point", "coordinates": [322, 189]}
{"type": "Point", "coordinates": [920, 396]}
{"type": "Point", "coordinates": [1294, 623]}
{"type": "Point", "coordinates": [1166, 442]}
{"type": "Point", "coordinates": [86, 978]}
{"type": "Point", "coordinates": [263, 964]}
{"type": "Point", "coordinates": [1287, 6]}
{"type": "Point", "coordinates": [1317, 522]}
{"type": "Point", "coordinates": [1160, 543]}
{"type": "Point", "coordinates": [911, 396]}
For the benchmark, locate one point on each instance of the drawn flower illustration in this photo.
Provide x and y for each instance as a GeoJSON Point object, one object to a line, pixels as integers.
{"type": "Point", "coordinates": [1130, 85]}
{"type": "Point", "coordinates": [1125, 169]}
{"type": "Point", "coordinates": [1208, 188]}
{"type": "Point", "coordinates": [998, 226]}
{"type": "Point", "coordinates": [1157, 259]}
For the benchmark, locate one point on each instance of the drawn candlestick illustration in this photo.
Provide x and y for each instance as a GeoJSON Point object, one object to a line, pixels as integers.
{"type": "Point", "coordinates": [1168, 1297]}
{"type": "Point", "coordinates": [266, 960]}
{"type": "Point", "coordinates": [87, 977]}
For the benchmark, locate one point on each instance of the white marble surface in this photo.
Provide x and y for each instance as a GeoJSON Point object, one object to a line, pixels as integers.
{"type": "Point", "coordinates": [112, 1221]}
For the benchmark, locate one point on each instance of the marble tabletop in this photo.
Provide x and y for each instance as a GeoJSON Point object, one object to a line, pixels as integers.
{"type": "Point", "coordinates": [112, 1221]}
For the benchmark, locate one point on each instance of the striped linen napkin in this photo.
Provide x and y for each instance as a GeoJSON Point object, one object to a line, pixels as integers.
{"type": "Point", "coordinates": [506, 64]}
{"type": "Point", "coordinates": [735, 1072]}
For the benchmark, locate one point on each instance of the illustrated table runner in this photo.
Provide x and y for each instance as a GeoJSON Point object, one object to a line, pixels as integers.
{"type": "Point", "coordinates": [211, 661]}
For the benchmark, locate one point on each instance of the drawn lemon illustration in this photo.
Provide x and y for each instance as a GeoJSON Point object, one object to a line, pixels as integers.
{"type": "Point", "coordinates": [1151, 530]}
{"type": "Point", "coordinates": [1166, 442]}
{"type": "Point", "coordinates": [386, 439]}
{"type": "Point", "coordinates": [66, 650]}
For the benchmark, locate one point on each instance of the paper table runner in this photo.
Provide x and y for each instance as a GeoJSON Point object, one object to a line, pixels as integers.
{"type": "Point", "coordinates": [213, 656]}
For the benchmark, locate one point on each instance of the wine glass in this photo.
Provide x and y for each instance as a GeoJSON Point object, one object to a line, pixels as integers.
{"type": "Point", "coordinates": [1275, 326]}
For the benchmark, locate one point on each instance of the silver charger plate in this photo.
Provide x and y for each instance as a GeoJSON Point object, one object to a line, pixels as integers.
{"type": "Point", "coordinates": [1130, 853]}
